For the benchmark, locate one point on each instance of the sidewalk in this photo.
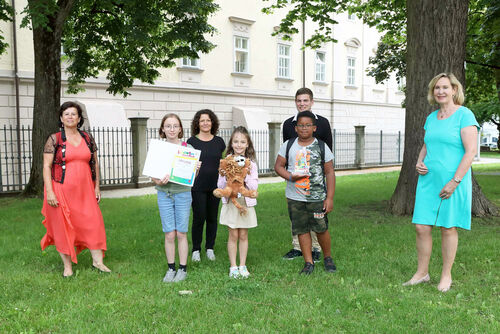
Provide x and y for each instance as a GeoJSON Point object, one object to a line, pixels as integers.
{"type": "Point", "coordinates": [119, 193]}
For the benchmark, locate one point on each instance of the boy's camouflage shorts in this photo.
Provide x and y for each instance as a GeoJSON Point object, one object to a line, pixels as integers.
{"type": "Point", "coordinates": [307, 217]}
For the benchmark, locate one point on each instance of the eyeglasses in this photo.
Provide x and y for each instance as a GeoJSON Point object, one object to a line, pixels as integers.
{"type": "Point", "coordinates": [171, 127]}
{"type": "Point", "coordinates": [304, 126]}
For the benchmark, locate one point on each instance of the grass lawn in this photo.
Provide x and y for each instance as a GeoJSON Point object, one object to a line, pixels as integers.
{"type": "Point", "coordinates": [374, 252]}
{"type": "Point", "coordinates": [487, 169]}
{"type": "Point", "coordinates": [493, 154]}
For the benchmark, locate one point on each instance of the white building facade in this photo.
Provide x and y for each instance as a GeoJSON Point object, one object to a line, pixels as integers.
{"type": "Point", "coordinates": [249, 70]}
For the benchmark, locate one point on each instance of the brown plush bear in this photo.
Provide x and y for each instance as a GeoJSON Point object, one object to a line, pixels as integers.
{"type": "Point", "coordinates": [235, 169]}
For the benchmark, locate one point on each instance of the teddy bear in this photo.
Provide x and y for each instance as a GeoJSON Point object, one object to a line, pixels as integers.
{"type": "Point", "coordinates": [235, 169]}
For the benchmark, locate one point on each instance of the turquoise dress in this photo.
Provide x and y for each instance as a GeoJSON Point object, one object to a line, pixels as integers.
{"type": "Point", "coordinates": [444, 153]}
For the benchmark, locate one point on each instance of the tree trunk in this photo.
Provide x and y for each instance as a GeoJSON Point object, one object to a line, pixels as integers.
{"type": "Point", "coordinates": [47, 47]}
{"type": "Point", "coordinates": [436, 40]}
{"type": "Point", "coordinates": [497, 80]}
{"type": "Point", "coordinates": [481, 206]}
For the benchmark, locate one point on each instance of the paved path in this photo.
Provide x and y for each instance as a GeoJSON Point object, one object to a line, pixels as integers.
{"type": "Point", "coordinates": [487, 173]}
{"type": "Point", "coordinates": [118, 193]}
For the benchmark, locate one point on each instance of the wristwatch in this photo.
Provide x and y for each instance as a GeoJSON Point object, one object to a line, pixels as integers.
{"type": "Point", "coordinates": [457, 180]}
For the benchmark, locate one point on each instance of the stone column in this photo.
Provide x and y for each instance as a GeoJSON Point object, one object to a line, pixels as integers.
{"type": "Point", "coordinates": [139, 149]}
{"type": "Point", "coordinates": [359, 159]}
{"type": "Point", "coordinates": [274, 143]}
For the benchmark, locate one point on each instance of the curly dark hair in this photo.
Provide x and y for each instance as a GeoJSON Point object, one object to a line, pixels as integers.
{"type": "Point", "coordinates": [250, 151]}
{"type": "Point", "coordinates": [195, 123]}
{"type": "Point", "coordinates": [170, 115]}
{"type": "Point", "coordinates": [71, 104]}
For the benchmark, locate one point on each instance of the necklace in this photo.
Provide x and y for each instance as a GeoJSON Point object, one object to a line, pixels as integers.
{"type": "Point", "coordinates": [443, 114]}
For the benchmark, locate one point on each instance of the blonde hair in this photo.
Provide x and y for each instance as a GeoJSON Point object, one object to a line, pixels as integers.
{"type": "Point", "coordinates": [458, 97]}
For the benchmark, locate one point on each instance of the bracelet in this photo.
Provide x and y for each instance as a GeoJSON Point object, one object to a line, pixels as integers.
{"type": "Point", "coordinates": [290, 178]}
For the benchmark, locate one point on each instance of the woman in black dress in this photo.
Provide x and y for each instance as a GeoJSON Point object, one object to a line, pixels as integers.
{"type": "Point", "coordinates": [205, 205]}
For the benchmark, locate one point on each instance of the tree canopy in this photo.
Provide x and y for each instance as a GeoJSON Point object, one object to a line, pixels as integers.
{"type": "Point", "coordinates": [389, 17]}
{"type": "Point", "coordinates": [126, 40]}
{"type": "Point", "coordinates": [482, 52]}
{"type": "Point", "coordinates": [437, 32]}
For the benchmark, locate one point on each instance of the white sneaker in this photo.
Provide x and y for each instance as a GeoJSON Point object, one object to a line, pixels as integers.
{"type": "Point", "coordinates": [169, 276]}
{"type": "Point", "coordinates": [233, 272]}
{"type": "Point", "coordinates": [210, 254]}
{"type": "Point", "coordinates": [243, 271]}
{"type": "Point", "coordinates": [196, 256]}
{"type": "Point", "coordinates": [180, 276]}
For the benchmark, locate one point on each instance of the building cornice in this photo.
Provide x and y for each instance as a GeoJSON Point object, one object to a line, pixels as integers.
{"type": "Point", "coordinates": [190, 69]}
{"type": "Point", "coordinates": [28, 77]}
{"type": "Point", "coordinates": [236, 19]}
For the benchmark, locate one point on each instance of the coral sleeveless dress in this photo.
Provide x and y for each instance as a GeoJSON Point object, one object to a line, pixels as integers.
{"type": "Point", "coordinates": [77, 220]}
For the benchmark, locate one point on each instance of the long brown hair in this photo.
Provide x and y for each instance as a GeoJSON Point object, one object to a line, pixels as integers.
{"type": "Point", "coordinates": [170, 115]}
{"type": "Point", "coordinates": [250, 151]}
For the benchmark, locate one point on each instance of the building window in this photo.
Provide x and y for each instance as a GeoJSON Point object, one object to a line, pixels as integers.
{"type": "Point", "coordinates": [320, 66]}
{"type": "Point", "coordinates": [190, 62]}
{"type": "Point", "coordinates": [284, 58]}
{"type": "Point", "coordinates": [241, 54]}
{"type": "Point", "coordinates": [351, 71]}
{"type": "Point", "coordinates": [351, 17]}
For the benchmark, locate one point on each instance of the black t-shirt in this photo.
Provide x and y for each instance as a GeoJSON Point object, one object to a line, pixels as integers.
{"type": "Point", "coordinates": [323, 130]}
{"type": "Point", "coordinates": [211, 153]}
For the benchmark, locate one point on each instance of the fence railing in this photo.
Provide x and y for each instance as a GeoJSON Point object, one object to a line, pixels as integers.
{"type": "Point", "coordinates": [15, 163]}
{"type": "Point", "coordinates": [115, 152]}
{"type": "Point", "coordinates": [260, 139]}
{"type": "Point", "coordinates": [383, 148]}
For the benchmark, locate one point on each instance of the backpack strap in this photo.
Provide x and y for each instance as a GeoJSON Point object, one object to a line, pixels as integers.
{"type": "Point", "coordinates": [322, 153]}
{"type": "Point", "coordinates": [85, 137]}
{"type": "Point", "coordinates": [322, 150]}
{"type": "Point", "coordinates": [288, 146]}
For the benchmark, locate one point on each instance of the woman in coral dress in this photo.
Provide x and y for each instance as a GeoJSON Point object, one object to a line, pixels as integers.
{"type": "Point", "coordinates": [70, 170]}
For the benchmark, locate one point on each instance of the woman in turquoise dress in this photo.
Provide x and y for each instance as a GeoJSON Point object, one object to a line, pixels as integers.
{"type": "Point", "coordinates": [444, 189]}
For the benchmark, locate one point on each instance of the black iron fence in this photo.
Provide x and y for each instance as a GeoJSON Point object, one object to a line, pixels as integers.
{"type": "Point", "coordinates": [15, 162]}
{"type": "Point", "coordinates": [115, 152]}
{"type": "Point", "coordinates": [114, 155]}
{"type": "Point", "coordinates": [260, 139]}
{"type": "Point", "coordinates": [344, 149]}
{"type": "Point", "coordinates": [383, 148]}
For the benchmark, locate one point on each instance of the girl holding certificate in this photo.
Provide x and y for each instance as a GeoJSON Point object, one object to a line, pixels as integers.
{"type": "Point", "coordinates": [174, 203]}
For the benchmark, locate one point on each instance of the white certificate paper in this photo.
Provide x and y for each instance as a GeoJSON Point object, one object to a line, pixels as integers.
{"type": "Point", "coordinates": [165, 158]}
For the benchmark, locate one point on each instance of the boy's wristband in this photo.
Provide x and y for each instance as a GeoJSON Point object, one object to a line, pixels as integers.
{"type": "Point", "coordinates": [290, 178]}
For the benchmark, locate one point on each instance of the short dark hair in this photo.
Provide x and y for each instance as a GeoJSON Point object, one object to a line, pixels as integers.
{"type": "Point", "coordinates": [170, 115]}
{"type": "Point", "coordinates": [195, 123]}
{"type": "Point", "coordinates": [71, 104]}
{"type": "Point", "coordinates": [304, 90]}
{"type": "Point", "coordinates": [306, 113]}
